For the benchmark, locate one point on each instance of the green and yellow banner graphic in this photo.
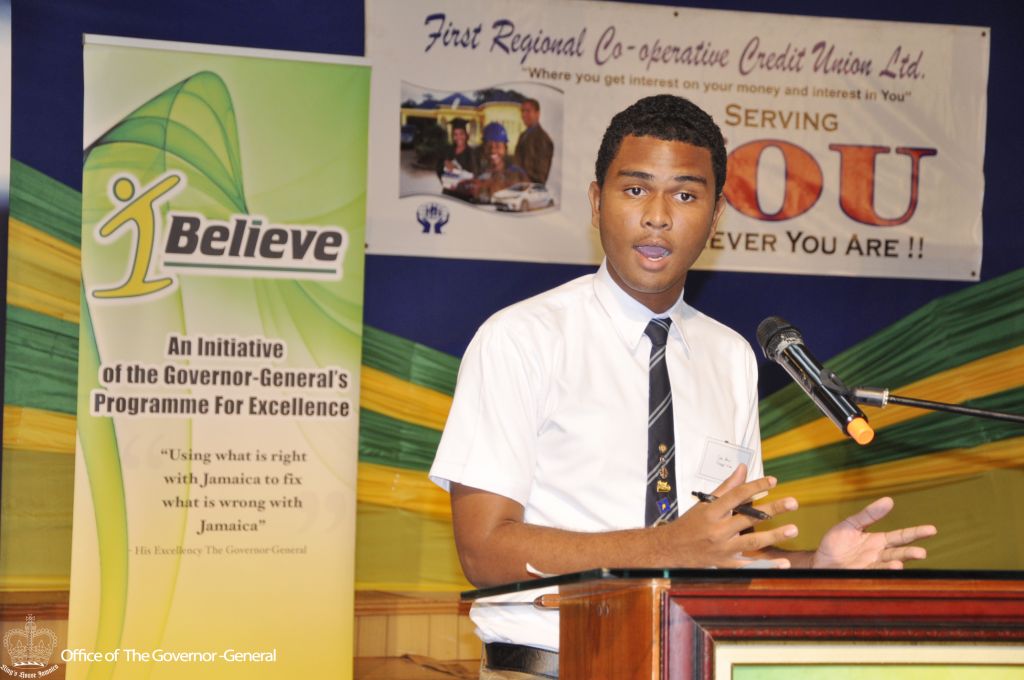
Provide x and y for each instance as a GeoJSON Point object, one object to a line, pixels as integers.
{"type": "Point", "coordinates": [404, 540]}
{"type": "Point", "coordinates": [223, 212]}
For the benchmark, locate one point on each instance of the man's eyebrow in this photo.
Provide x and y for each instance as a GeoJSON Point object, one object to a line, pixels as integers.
{"type": "Point", "coordinates": [640, 174]}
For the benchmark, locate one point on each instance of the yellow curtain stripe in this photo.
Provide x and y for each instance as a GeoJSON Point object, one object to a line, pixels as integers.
{"type": "Point", "coordinates": [414, 586]}
{"type": "Point", "coordinates": [405, 401]}
{"type": "Point", "coordinates": [905, 475]}
{"type": "Point", "coordinates": [990, 375]}
{"type": "Point", "coordinates": [13, 584]}
{"type": "Point", "coordinates": [42, 272]}
{"type": "Point", "coordinates": [402, 489]}
{"type": "Point", "coordinates": [30, 429]}
{"type": "Point", "coordinates": [405, 551]}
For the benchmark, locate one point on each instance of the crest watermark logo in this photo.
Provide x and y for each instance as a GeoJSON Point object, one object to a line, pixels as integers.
{"type": "Point", "coordinates": [433, 216]}
{"type": "Point", "coordinates": [190, 243]}
{"type": "Point", "coordinates": [29, 650]}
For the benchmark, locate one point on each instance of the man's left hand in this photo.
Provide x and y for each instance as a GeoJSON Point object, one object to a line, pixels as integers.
{"type": "Point", "coordinates": [848, 545]}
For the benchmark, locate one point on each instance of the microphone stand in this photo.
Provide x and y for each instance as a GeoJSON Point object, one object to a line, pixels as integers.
{"type": "Point", "coordinates": [877, 396]}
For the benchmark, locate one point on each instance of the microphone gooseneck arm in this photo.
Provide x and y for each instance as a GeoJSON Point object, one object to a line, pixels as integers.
{"type": "Point", "coordinates": [881, 397]}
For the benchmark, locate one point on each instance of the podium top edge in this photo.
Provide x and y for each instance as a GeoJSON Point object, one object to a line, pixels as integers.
{"type": "Point", "coordinates": [747, 575]}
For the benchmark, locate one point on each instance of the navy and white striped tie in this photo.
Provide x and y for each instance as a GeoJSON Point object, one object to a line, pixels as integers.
{"type": "Point", "coordinates": [662, 502]}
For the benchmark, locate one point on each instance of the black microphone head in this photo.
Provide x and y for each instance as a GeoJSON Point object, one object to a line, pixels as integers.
{"type": "Point", "coordinates": [772, 331]}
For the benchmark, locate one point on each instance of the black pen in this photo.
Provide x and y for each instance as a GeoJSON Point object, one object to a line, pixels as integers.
{"type": "Point", "coordinates": [745, 509]}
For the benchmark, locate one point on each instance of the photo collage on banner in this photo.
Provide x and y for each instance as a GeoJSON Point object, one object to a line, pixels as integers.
{"type": "Point", "coordinates": [842, 133]}
{"type": "Point", "coordinates": [223, 224]}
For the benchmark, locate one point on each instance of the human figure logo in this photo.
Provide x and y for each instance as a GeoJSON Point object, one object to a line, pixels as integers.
{"type": "Point", "coordinates": [432, 216]}
{"type": "Point", "coordinates": [141, 208]}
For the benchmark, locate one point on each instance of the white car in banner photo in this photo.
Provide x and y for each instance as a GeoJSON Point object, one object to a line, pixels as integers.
{"type": "Point", "coordinates": [523, 196]}
{"type": "Point", "coordinates": [450, 178]}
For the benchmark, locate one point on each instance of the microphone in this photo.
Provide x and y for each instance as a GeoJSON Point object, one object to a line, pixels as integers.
{"type": "Point", "coordinates": [783, 344]}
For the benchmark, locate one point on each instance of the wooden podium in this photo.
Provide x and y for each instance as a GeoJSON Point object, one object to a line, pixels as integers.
{"type": "Point", "coordinates": [676, 624]}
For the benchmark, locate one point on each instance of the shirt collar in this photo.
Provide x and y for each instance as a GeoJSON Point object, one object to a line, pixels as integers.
{"type": "Point", "coordinates": [628, 316]}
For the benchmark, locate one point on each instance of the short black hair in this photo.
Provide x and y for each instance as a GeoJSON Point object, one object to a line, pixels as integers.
{"type": "Point", "coordinates": [531, 100]}
{"type": "Point", "coordinates": [668, 117]}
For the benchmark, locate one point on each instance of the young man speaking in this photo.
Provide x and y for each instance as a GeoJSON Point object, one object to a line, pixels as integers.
{"type": "Point", "coordinates": [584, 417]}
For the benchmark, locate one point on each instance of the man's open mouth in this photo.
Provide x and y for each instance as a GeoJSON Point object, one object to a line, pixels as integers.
{"type": "Point", "coordinates": [652, 252]}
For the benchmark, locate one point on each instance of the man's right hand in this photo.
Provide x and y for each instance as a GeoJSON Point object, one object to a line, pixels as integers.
{"type": "Point", "coordinates": [495, 544]}
{"type": "Point", "coordinates": [713, 535]}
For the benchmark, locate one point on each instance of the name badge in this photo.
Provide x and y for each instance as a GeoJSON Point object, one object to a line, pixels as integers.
{"type": "Point", "coordinates": [721, 458]}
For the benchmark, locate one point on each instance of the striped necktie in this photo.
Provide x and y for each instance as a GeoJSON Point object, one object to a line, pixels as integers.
{"type": "Point", "coordinates": [662, 503]}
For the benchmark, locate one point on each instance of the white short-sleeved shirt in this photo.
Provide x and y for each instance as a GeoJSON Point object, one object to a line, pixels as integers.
{"type": "Point", "coordinates": [550, 410]}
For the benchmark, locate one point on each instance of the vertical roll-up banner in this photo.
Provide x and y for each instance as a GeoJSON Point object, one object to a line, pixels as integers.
{"type": "Point", "coordinates": [223, 210]}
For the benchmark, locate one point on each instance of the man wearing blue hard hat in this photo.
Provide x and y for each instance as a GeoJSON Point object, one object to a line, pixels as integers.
{"type": "Point", "coordinates": [499, 169]}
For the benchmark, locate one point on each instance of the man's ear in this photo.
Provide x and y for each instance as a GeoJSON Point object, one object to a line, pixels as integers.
{"type": "Point", "coordinates": [594, 192]}
{"type": "Point", "coordinates": [719, 211]}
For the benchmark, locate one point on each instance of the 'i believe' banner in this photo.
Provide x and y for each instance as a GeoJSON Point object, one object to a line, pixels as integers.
{"type": "Point", "coordinates": [856, 147]}
{"type": "Point", "coordinates": [222, 266]}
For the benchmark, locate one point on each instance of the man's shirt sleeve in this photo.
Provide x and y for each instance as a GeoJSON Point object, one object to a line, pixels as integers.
{"type": "Point", "coordinates": [489, 441]}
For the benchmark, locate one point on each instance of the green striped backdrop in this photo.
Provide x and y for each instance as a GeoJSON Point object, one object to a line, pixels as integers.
{"type": "Point", "coordinates": [964, 475]}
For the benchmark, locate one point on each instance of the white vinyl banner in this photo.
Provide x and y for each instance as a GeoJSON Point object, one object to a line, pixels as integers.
{"type": "Point", "coordinates": [855, 147]}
